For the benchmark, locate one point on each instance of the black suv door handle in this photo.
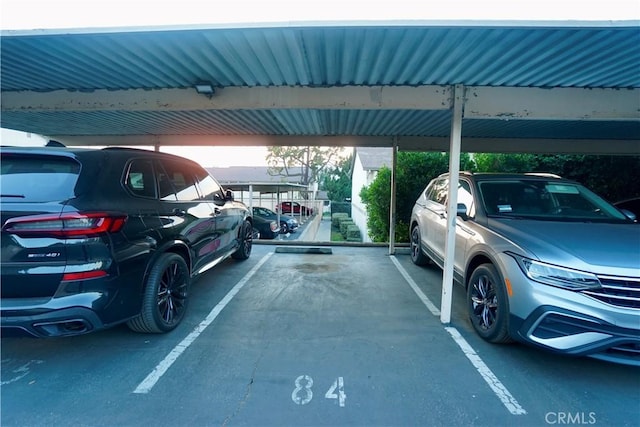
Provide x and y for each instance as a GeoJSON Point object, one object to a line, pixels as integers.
{"type": "Point", "coordinates": [178, 212]}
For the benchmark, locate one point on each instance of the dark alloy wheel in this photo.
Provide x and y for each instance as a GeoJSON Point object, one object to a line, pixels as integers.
{"type": "Point", "coordinates": [284, 228]}
{"type": "Point", "coordinates": [165, 296]}
{"type": "Point", "coordinates": [417, 256]}
{"type": "Point", "coordinates": [488, 305]}
{"type": "Point", "coordinates": [246, 242]}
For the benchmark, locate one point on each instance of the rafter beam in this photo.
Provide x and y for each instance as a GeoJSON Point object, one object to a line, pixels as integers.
{"type": "Point", "coordinates": [480, 102]}
{"type": "Point", "coordinates": [233, 98]}
{"type": "Point", "coordinates": [552, 104]}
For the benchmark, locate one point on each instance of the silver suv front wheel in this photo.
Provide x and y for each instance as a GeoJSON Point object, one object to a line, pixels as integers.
{"type": "Point", "coordinates": [488, 305]}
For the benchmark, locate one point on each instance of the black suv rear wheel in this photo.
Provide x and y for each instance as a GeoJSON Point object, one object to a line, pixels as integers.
{"type": "Point", "coordinates": [246, 242]}
{"type": "Point", "coordinates": [165, 296]}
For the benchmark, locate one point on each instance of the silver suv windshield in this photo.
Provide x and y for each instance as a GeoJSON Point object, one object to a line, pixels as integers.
{"type": "Point", "coordinates": [552, 200]}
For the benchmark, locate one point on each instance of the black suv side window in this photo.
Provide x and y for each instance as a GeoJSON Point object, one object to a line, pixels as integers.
{"type": "Point", "coordinates": [180, 178]}
{"type": "Point", "coordinates": [209, 189]}
{"type": "Point", "coordinates": [139, 178]}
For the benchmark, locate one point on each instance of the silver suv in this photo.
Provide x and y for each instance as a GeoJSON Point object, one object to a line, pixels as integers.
{"type": "Point", "coordinates": [543, 260]}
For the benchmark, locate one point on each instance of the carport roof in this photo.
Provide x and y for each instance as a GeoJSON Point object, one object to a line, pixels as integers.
{"type": "Point", "coordinates": [251, 178]}
{"type": "Point", "coordinates": [529, 86]}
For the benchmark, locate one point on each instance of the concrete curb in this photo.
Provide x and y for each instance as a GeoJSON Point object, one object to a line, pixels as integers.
{"type": "Point", "coordinates": [309, 233]}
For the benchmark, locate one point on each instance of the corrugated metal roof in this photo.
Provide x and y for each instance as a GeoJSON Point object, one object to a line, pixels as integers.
{"type": "Point", "coordinates": [474, 54]}
{"type": "Point", "coordinates": [597, 56]}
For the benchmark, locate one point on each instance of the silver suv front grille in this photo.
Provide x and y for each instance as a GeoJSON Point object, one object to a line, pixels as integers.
{"type": "Point", "coordinates": [618, 291]}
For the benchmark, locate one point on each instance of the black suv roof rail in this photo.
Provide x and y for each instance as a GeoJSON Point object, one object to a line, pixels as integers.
{"type": "Point", "coordinates": [54, 143]}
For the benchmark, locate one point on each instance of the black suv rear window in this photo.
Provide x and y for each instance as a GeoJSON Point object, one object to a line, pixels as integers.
{"type": "Point", "coordinates": [37, 178]}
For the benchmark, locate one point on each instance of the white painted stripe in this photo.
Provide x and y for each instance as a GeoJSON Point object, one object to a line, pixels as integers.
{"type": "Point", "coordinates": [498, 388]}
{"type": "Point", "coordinates": [147, 384]}
{"type": "Point", "coordinates": [426, 301]}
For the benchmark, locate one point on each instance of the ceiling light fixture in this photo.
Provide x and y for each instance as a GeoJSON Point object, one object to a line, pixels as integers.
{"type": "Point", "coordinates": [205, 89]}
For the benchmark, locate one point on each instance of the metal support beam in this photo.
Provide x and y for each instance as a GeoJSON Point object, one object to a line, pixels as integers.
{"type": "Point", "coordinates": [527, 103]}
{"type": "Point", "coordinates": [392, 200]}
{"type": "Point", "coordinates": [483, 102]}
{"type": "Point", "coordinates": [452, 203]}
{"type": "Point", "coordinates": [232, 98]}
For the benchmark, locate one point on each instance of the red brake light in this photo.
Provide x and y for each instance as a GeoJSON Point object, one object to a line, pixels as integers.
{"type": "Point", "coordinates": [65, 225]}
{"type": "Point", "coordinates": [84, 275]}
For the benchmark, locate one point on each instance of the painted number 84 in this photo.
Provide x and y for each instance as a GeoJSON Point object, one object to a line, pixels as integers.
{"type": "Point", "coordinates": [303, 393]}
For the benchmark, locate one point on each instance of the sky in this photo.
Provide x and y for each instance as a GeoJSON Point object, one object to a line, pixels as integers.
{"type": "Point", "coordinates": [60, 14]}
{"type": "Point", "coordinates": [47, 14]}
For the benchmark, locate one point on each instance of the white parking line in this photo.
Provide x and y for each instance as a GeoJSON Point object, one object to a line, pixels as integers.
{"type": "Point", "coordinates": [498, 388]}
{"type": "Point", "coordinates": [147, 384]}
{"type": "Point", "coordinates": [494, 383]}
{"type": "Point", "coordinates": [425, 300]}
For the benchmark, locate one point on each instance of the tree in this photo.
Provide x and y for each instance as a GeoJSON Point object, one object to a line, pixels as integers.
{"type": "Point", "coordinates": [336, 180]}
{"type": "Point", "coordinates": [508, 163]}
{"type": "Point", "coordinates": [608, 176]}
{"type": "Point", "coordinates": [414, 171]}
{"type": "Point", "coordinates": [306, 163]}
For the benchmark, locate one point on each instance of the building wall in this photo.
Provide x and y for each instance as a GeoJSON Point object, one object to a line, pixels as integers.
{"type": "Point", "coordinates": [360, 178]}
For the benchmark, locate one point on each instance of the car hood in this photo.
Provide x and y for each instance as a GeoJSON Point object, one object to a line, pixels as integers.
{"type": "Point", "coordinates": [597, 247]}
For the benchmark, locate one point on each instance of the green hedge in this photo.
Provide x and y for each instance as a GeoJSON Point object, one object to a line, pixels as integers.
{"type": "Point", "coordinates": [344, 225]}
{"type": "Point", "coordinates": [335, 218]}
{"type": "Point", "coordinates": [353, 234]}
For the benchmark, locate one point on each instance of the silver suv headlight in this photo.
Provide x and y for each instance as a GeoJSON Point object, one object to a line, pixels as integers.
{"type": "Point", "coordinates": [554, 275]}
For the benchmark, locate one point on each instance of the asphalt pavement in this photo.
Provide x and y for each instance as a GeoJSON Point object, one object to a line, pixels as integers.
{"type": "Point", "coordinates": [349, 336]}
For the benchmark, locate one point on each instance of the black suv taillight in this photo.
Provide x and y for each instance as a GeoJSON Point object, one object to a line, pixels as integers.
{"type": "Point", "coordinates": [73, 224]}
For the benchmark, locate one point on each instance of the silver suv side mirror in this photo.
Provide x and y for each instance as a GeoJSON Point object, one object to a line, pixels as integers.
{"type": "Point", "coordinates": [461, 211]}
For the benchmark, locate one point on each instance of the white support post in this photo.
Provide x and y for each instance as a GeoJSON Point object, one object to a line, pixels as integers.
{"type": "Point", "coordinates": [452, 203]}
{"type": "Point", "coordinates": [392, 201]}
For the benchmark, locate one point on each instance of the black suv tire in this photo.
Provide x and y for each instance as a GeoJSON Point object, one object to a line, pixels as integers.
{"type": "Point", "coordinates": [165, 296]}
{"type": "Point", "coordinates": [246, 242]}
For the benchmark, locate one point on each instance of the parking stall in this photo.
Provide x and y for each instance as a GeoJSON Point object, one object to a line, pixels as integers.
{"type": "Point", "coordinates": [345, 336]}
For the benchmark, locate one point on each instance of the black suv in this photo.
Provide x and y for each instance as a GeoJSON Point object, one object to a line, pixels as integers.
{"type": "Point", "coordinates": [96, 237]}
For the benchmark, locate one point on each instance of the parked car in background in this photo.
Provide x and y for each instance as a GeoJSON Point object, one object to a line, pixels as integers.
{"type": "Point", "coordinates": [632, 205]}
{"type": "Point", "coordinates": [96, 237]}
{"type": "Point", "coordinates": [544, 261]}
{"type": "Point", "coordinates": [287, 224]}
{"type": "Point", "coordinates": [267, 228]}
{"type": "Point", "coordinates": [294, 207]}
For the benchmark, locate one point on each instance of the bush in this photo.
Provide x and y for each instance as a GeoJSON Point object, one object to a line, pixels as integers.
{"type": "Point", "coordinates": [402, 232]}
{"type": "Point", "coordinates": [353, 234]}
{"type": "Point", "coordinates": [414, 171]}
{"type": "Point", "coordinates": [335, 218]}
{"type": "Point", "coordinates": [344, 225]}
